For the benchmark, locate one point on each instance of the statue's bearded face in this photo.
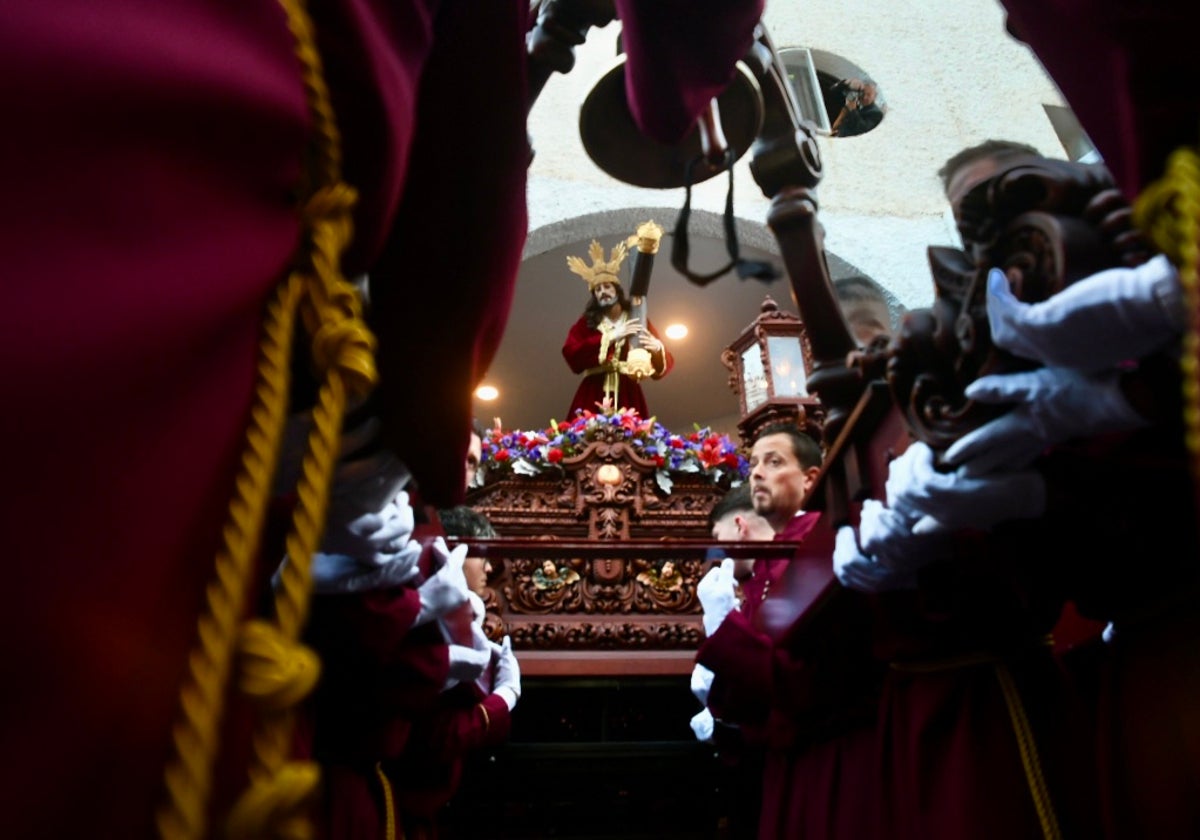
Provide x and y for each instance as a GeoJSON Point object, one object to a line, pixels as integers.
{"type": "Point", "coordinates": [605, 294]}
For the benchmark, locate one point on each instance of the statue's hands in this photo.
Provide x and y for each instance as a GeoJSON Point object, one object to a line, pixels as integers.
{"type": "Point", "coordinates": [631, 326]}
{"type": "Point", "coordinates": [648, 341]}
{"type": "Point", "coordinates": [1110, 317]}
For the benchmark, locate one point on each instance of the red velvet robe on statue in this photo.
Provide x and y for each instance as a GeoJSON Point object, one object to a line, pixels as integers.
{"type": "Point", "coordinates": [582, 352]}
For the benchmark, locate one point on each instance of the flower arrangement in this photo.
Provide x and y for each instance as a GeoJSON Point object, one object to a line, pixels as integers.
{"type": "Point", "coordinates": [535, 453]}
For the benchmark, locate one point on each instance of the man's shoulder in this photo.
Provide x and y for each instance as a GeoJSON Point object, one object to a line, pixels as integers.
{"type": "Point", "coordinates": [799, 526]}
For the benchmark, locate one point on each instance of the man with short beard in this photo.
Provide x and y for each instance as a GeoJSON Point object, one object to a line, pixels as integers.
{"type": "Point", "coordinates": [599, 342]}
{"type": "Point", "coordinates": [810, 690]}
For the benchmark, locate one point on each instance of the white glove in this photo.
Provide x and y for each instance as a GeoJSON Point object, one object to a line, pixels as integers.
{"type": "Point", "coordinates": [370, 537]}
{"type": "Point", "coordinates": [855, 570]}
{"type": "Point", "coordinates": [703, 724]}
{"type": "Point", "coordinates": [702, 680]}
{"type": "Point", "coordinates": [466, 664]}
{"type": "Point", "coordinates": [478, 611]}
{"type": "Point", "coordinates": [717, 592]}
{"type": "Point", "coordinates": [338, 573]}
{"type": "Point", "coordinates": [1054, 404]}
{"type": "Point", "coordinates": [508, 673]}
{"type": "Point", "coordinates": [936, 501]}
{"type": "Point", "coordinates": [1110, 317]}
{"type": "Point", "coordinates": [447, 588]}
{"type": "Point", "coordinates": [363, 483]}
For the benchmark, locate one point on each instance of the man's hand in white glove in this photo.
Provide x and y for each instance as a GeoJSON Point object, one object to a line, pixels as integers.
{"type": "Point", "coordinates": [1052, 405]}
{"type": "Point", "coordinates": [1095, 323]}
{"type": "Point", "coordinates": [938, 501]}
{"type": "Point", "coordinates": [508, 673]}
{"type": "Point", "coordinates": [856, 570]}
{"type": "Point", "coordinates": [703, 725]}
{"type": "Point", "coordinates": [702, 680]}
{"type": "Point", "coordinates": [466, 664]}
{"type": "Point", "coordinates": [446, 589]}
{"type": "Point", "coordinates": [372, 538]}
{"type": "Point", "coordinates": [717, 592]}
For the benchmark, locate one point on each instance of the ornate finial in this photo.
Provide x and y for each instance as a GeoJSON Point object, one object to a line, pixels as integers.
{"type": "Point", "coordinates": [647, 238]}
{"type": "Point", "coordinates": [599, 271]}
{"type": "Point", "coordinates": [769, 305]}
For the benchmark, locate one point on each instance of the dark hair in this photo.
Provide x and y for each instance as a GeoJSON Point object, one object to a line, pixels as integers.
{"type": "Point", "coordinates": [735, 501]}
{"type": "Point", "coordinates": [595, 313]}
{"type": "Point", "coordinates": [804, 446]}
{"type": "Point", "coordinates": [858, 288]}
{"type": "Point", "coordinates": [995, 149]}
{"type": "Point", "coordinates": [465, 521]}
{"type": "Point", "coordinates": [477, 428]}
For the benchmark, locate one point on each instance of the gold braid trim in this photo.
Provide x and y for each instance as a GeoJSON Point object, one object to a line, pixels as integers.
{"type": "Point", "coordinates": [189, 772]}
{"type": "Point", "coordinates": [277, 671]}
{"type": "Point", "coordinates": [1169, 212]}
{"type": "Point", "coordinates": [1027, 745]}
{"type": "Point", "coordinates": [389, 803]}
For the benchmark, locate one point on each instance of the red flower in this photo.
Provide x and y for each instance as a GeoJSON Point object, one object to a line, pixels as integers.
{"type": "Point", "coordinates": [731, 460]}
{"type": "Point", "coordinates": [677, 443]}
{"type": "Point", "coordinates": [659, 460]}
{"type": "Point", "coordinates": [501, 455]}
{"type": "Point", "coordinates": [554, 455]}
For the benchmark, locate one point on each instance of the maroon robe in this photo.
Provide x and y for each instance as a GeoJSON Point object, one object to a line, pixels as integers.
{"type": "Point", "coordinates": [1130, 74]}
{"type": "Point", "coordinates": [427, 776]}
{"type": "Point", "coordinates": [808, 696]}
{"type": "Point", "coordinates": [950, 755]}
{"type": "Point", "coordinates": [582, 352]}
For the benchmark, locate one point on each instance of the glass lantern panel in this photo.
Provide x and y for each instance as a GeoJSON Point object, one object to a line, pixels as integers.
{"type": "Point", "coordinates": [787, 366]}
{"type": "Point", "coordinates": [754, 378]}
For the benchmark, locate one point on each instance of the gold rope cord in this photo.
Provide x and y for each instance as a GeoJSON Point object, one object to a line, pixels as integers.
{"type": "Point", "coordinates": [277, 672]}
{"type": "Point", "coordinates": [389, 803]}
{"type": "Point", "coordinates": [1169, 212]}
{"type": "Point", "coordinates": [1027, 746]}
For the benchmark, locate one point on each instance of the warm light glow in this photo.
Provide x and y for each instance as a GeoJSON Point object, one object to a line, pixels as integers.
{"type": "Point", "coordinates": [677, 331]}
{"type": "Point", "coordinates": [609, 474]}
{"type": "Point", "coordinates": [487, 393]}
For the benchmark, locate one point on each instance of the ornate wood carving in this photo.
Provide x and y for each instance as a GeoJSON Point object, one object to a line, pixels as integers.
{"type": "Point", "coordinates": [598, 596]}
{"type": "Point", "coordinates": [1049, 222]}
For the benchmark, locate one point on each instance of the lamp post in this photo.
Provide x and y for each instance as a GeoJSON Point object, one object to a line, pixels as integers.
{"type": "Point", "coordinates": [769, 364]}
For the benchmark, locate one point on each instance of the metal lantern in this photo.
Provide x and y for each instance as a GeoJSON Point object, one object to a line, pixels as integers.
{"type": "Point", "coordinates": [769, 365]}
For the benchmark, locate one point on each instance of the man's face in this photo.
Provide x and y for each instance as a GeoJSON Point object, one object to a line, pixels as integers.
{"type": "Point", "coordinates": [476, 571]}
{"type": "Point", "coordinates": [778, 483]}
{"type": "Point", "coordinates": [474, 454]}
{"type": "Point", "coordinates": [867, 319]}
{"type": "Point", "coordinates": [742, 527]}
{"type": "Point", "coordinates": [605, 294]}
